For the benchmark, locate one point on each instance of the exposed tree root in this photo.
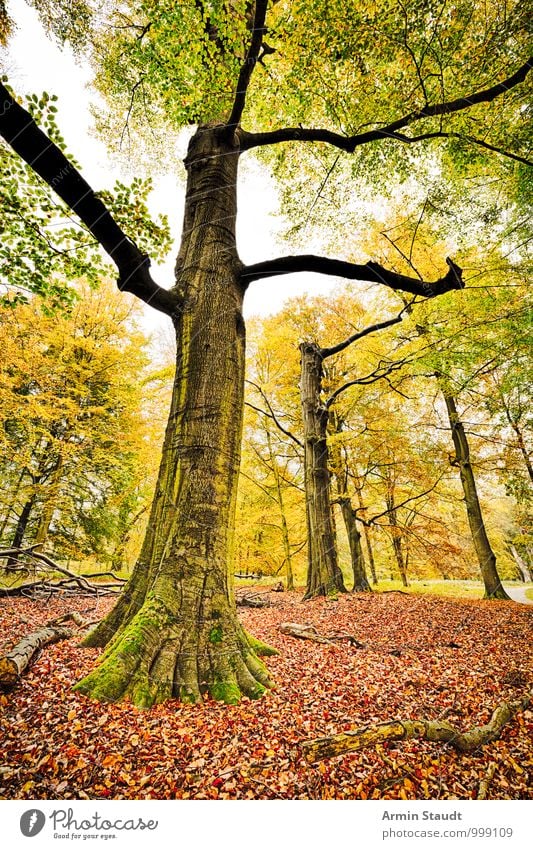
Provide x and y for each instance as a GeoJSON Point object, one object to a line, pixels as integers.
{"type": "Point", "coordinates": [17, 661]}
{"type": "Point", "coordinates": [434, 730]}
{"type": "Point", "coordinates": [159, 656]}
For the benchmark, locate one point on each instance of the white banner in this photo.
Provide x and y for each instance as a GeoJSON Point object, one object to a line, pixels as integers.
{"type": "Point", "coordinates": [265, 824]}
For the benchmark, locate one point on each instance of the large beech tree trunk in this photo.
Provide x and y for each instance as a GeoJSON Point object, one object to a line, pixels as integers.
{"type": "Point", "coordinates": [485, 554]}
{"type": "Point", "coordinates": [324, 576]}
{"type": "Point", "coordinates": [175, 630]}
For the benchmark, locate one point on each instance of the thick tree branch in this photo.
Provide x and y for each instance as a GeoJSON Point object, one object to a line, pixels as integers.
{"type": "Point", "coordinates": [372, 272]}
{"type": "Point", "coordinates": [21, 132]}
{"type": "Point", "coordinates": [249, 63]}
{"type": "Point", "coordinates": [390, 131]}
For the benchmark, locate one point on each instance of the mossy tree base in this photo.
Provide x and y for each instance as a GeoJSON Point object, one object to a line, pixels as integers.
{"type": "Point", "coordinates": [159, 656]}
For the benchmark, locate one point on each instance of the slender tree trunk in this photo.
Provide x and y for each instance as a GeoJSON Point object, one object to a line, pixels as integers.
{"type": "Point", "coordinates": [289, 576]}
{"type": "Point", "coordinates": [523, 567]}
{"type": "Point", "coordinates": [485, 554]}
{"type": "Point", "coordinates": [368, 541]}
{"type": "Point", "coordinates": [324, 576]}
{"type": "Point", "coordinates": [50, 504]}
{"type": "Point", "coordinates": [396, 540]}
{"type": "Point", "coordinates": [175, 631]}
{"type": "Point", "coordinates": [519, 435]}
{"type": "Point", "coordinates": [360, 580]}
{"type": "Point", "coordinates": [20, 529]}
{"type": "Point", "coordinates": [9, 507]}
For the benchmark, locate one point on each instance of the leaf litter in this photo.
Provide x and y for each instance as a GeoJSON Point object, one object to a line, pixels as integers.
{"type": "Point", "coordinates": [422, 657]}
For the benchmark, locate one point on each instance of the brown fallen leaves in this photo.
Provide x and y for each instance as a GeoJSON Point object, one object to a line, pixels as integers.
{"type": "Point", "coordinates": [422, 657]}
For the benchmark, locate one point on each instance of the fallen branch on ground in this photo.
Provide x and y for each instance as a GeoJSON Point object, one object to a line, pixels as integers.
{"type": "Point", "coordinates": [485, 782]}
{"type": "Point", "coordinates": [305, 631]}
{"type": "Point", "coordinates": [434, 730]}
{"type": "Point", "coordinates": [251, 598]}
{"type": "Point", "coordinates": [31, 561]}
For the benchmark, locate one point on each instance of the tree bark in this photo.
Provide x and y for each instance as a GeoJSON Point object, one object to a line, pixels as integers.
{"type": "Point", "coordinates": [484, 552]}
{"type": "Point", "coordinates": [175, 631]}
{"type": "Point", "coordinates": [324, 576]}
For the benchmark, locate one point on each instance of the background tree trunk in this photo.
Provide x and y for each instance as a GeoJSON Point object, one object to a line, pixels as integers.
{"type": "Point", "coordinates": [175, 632]}
{"type": "Point", "coordinates": [324, 576]}
{"type": "Point", "coordinates": [485, 554]}
{"type": "Point", "coordinates": [289, 576]}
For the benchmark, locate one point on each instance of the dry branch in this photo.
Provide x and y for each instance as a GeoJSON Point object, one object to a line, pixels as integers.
{"type": "Point", "coordinates": [251, 598]}
{"type": "Point", "coordinates": [305, 631]}
{"type": "Point", "coordinates": [485, 782]}
{"type": "Point", "coordinates": [434, 730]}
{"type": "Point", "coordinates": [30, 560]}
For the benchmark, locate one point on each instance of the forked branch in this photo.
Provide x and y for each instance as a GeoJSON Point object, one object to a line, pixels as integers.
{"type": "Point", "coordinates": [434, 730]}
{"type": "Point", "coordinates": [390, 131]}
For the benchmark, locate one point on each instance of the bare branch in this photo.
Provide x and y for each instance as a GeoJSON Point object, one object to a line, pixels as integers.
{"type": "Point", "coordinates": [271, 414]}
{"type": "Point", "coordinates": [373, 328]}
{"type": "Point", "coordinates": [372, 272]}
{"type": "Point", "coordinates": [379, 373]}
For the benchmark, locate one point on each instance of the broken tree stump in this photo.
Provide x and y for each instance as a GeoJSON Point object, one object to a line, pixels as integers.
{"type": "Point", "coordinates": [434, 730]}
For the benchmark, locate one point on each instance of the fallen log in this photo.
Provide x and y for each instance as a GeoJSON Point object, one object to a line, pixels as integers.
{"type": "Point", "coordinates": [434, 730]}
{"type": "Point", "coordinates": [15, 662]}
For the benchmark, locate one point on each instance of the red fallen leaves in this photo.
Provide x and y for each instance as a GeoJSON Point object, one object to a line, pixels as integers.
{"type": "Point", "coordinates": [59, 745]}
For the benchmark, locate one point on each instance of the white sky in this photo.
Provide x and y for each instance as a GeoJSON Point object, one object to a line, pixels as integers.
{"type": "Point", "coordinates": [35, 64]}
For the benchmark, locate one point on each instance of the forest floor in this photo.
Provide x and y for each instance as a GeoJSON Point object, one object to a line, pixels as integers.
{"type": "Point", "coordinates": [423, 657]}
